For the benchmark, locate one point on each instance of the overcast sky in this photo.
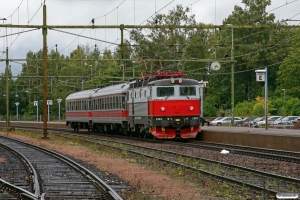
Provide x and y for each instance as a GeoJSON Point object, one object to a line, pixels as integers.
{"type": "Point", "coordinates": [105, 12]}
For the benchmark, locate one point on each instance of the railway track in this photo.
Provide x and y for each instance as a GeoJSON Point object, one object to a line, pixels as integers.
{"type": "Point", "coordinates": [287, 156]}
{"type": "Point", "coordinates": [260, 181]}
{"type": "Point", "coordinates": [267, 184]}
{"type": "Point", "coordinates": [39, 173]}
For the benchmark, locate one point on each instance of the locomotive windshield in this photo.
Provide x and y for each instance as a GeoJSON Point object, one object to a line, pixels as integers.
{"type": "Point", "coordinates": [187, 91]}
{"type": "Point", "coordinates": [165, 91]}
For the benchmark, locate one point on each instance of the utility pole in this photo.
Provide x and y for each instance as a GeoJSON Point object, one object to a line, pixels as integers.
{"type": "Point", "coordinates": [56, 62]}
{"type": "Point", "coordinates": [121, 49]}
{"type": "Point", "coordinates": [7, 93]}
{"type": "Point", "coordinates": [44, 31]}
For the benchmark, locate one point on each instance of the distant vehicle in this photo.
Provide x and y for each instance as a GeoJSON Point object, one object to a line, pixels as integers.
{"type": "Point", "coordinates": [257, 120]}
{"type": "Point", "coordinates": [246, 119]}
{"type": "Point", "coordinates": [277, 121]}
{"type": "Point", "coordinates": [271, 119]}
{"type": "Point", "coordinates": [288, 120]}
{"type": "Point", "coordinates": [225, 120]}
{"type": "Point", "coordinates": [218, 118]}
{"type": "Point", "coordinates": [296, 120]}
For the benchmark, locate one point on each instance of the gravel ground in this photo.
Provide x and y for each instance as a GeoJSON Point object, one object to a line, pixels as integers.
{"type": "Point", "coordinates": [145, 184]}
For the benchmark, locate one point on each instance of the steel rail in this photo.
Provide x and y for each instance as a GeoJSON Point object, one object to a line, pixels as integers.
{"type": "Point", "coordinates": [219, 177]}
{"type": "Point", "coordinates": [94, 179]}
{"type": "Point", "coordinates": [29, 167]}
{"type": "Point", "coordinates": [216, 176]}
{"type": "Point", "coordinates": [16, 191]}
{"type": "Point", "coordinates": [294, 180]}
{"type": "Point", "coordinates": [288, 156]}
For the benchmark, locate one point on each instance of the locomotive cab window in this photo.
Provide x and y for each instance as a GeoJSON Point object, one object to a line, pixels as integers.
{"type": "Point", "coordinates": [188, 91]}
{"type": "Point", "coordinates": [165, 91]}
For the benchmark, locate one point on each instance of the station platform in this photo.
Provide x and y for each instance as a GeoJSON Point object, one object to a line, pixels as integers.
{"type": "Point", "coordinates": [272, 138]}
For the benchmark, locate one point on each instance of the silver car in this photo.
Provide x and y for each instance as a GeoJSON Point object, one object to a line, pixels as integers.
{"type": "Point", "coordinates": [286, 120]}
{"type": "Point", "coordinates": [225, 120]}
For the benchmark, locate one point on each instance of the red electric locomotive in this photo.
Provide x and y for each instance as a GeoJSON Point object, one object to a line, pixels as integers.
{"type": "Point", "coordinates": [164, 105]}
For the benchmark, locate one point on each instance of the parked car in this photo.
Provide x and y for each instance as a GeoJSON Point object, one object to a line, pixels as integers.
{"type": "Point", "coordinates": [257, 120]}
{"type": "Point", "coordinates": [271, 119]}
{"type": "Point", "coordinates": [296, 120]}
{"type": "Point", "coordinates": [288, 120]}
{"type": "Point", "coordinates": [246, 119]}
{"type": "Point", "coordinates": [218, 118]}
{"type": "Point", "coordinates": [277, 121]}
{"type": "Point", "coordinates": [225, 120]}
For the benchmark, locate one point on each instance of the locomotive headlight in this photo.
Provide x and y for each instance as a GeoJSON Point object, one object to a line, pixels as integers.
{"type": "Point", "coordinates": [192, 108]}
{"type": "Point", "coordinates": [180, 81]}
{"type": "Point", "coordinates": [172, 81]}
{"type": "Point", "coordinates": [162, 109]}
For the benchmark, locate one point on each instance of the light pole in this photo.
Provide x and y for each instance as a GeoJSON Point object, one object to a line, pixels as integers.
{"type": "Point", "coordinates": [49, 103]}
{"type": "Point", "coordinates": [36, 103]}
{"type": "Point", "coordinates": [232, 76]}
{"type": "Point", "coordinates": [262, 76]}
{"type": "Point", "coordinates": [59, 101]}
{"type": "Point", "coordinates": [283, 94]}
{"type": "Point", "coordinates": [17, 105]}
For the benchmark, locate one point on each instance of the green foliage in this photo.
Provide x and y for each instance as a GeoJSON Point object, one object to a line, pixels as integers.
{"type": "Point", "coordinates": [209, 108]}
{"type": "Point", "coordinates": [289, 71]}
{"type": "Point", "coordinates": [244, 108]}
{"type": "Point", "coordinates": [87, 67]}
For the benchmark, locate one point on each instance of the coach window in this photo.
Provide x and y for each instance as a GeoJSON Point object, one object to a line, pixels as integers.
{"type": "Point", "coordinates": [112, 99]}
{"type": "Point", "coordinates": [134, 94]}
{"type": "Point", "coordinates": [123, 102]}
{"type": "Point", "coordinates": [110, 103]}
{"type": "Point", "coordinates": [117, 102]}
{"type": "Point", "coordinates": [106, 103]}
{"type": "Point", "coordinates": [145, 93]}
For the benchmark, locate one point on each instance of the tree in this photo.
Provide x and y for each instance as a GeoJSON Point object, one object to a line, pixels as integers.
{"type": "Point", "coordinates": [254, 48]}
{"type": "Point", "coordinates": [174, 43]}
{"type": "Point", "coordinates": [289, 72]}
